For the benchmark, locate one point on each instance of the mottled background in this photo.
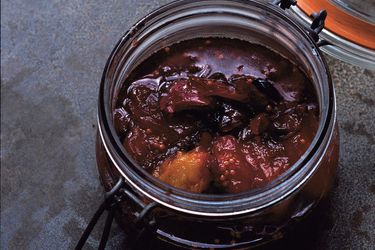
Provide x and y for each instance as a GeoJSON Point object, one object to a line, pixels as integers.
{"type": "Point", "coordinates": [52, 56]}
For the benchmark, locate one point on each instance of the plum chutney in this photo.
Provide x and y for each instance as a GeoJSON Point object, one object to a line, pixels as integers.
{"type": "Point", "coordinates": [216, 115]}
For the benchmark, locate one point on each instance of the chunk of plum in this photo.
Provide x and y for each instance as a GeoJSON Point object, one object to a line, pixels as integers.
{"type": "Point", "coordinates": [121, 120]}
{"type": "Point", "coordinates": [143, 146]}
{"type": "Point", "coordinates": [255, 96]}
{"type": "Point", "coordinates": [186, 170]}
{"type": "Point", "coordinates": [185, 94]}
{"type": "Point", "coordinates": [267, 159]}
{"type": "Point", "coordinates": [143, 104]}
{"type": "Point", "coordinates": [259, 124]}
{"type": "Point", "coordinates": [267, 88]}
{"type": "Point", "coordinates": [195, 92]}
{"type": "Point", "coordinates": [184, 124]}
{"type": "Point", "coordinates": [241, 167]}
{"type": "Point", "coordinates": [230, 117]}
{"type": "Point", "coordinates": [231, 172]}
{"type": "Point", "coordinates": [288, 121]}
{"type": "Point", "coordinates": [219, 77]}
{"type": "Point", "coordinates": [297, 144]}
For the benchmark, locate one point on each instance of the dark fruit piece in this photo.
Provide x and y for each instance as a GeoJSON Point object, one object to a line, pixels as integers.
{"type": "Point", "coordinates": [188, 142]}
{"type": "Point", "coordinates": [143, 104]}
{"type": "Point", "coordinates": [245, 134]}
{"type": "Point", "coordinates": [188, 171]}
{"type": "Point", "coordinates": [205, 141]}
{"type": "Point", "coordinates": [256, 127]}
{"type": "Point", "coordinates": [143, 146]}
{"type": "Point", "coordinates": [205, 71]}
{"type": "Point", "coordinates": [185, 94]}
{"type": "Point", "coordinates": [166, 70]}
{"type": "Point", "coordinates": [267, 88]}
{"type": "Point", "coordinates": [195, 92]}
{"type": "Point", "coordinates": [230, 117]}
{"type": "Point", "coordinates": [121, 120]}
{"type": "Point", "coordinates": [195, 69]}
{"type": "Point", "coordinates": [288, 121]}
{"type": "Point", "coordinates": [257, 99]}
{"type": "Point", "coordinates": [259, 124]}
{"type": "Point", "coordinates": [219, 76]}
{"type": "Point", "coordinates": [184, 124]}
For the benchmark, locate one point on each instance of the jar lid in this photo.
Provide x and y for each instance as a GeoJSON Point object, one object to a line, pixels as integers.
{"type": "Point", "coordinates": [349, 27]}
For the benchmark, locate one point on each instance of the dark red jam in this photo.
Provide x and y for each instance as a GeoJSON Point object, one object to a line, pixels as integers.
{"type": "Point", "coordinates": [216, 115]}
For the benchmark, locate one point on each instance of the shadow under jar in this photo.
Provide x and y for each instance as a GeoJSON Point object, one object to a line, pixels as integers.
{"type": "Point", "coordinates": [242, 220]}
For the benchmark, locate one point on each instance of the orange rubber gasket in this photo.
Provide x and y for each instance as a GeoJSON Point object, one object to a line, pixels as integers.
{"type": "Point", "coordinates": [342, 23]}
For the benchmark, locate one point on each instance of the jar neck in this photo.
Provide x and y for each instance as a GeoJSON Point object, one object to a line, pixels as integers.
{"type": "Point", "coordinates": [172, 23]}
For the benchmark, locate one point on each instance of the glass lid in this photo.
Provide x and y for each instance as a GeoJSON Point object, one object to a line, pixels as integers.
{"type": "Point", "coordinates": [349, 26]}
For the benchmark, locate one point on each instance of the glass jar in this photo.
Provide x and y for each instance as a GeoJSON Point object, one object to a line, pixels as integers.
{"type": "Point", "coordinates": [219, 221]}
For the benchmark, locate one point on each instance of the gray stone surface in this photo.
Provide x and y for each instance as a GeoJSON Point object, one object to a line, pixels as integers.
{"type": "Point", "coordinates": [52, 56]}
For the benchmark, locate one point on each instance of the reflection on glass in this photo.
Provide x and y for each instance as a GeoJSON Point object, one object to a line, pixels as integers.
{"type": "Point", "coordinates": [364, 9]}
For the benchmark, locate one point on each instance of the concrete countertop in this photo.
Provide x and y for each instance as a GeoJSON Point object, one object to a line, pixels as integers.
{"type": "Point", "coordinates": [52, 57]}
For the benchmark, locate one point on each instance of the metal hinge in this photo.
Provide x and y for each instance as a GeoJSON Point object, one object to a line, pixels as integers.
{"type": "Point", "coordinates": [317, 24]}
{"type": "Point", "coordinates": [285, 4]}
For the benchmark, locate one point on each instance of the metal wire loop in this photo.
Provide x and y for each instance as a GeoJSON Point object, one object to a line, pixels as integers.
{"type": "Point", "coordinates": [111, 199]}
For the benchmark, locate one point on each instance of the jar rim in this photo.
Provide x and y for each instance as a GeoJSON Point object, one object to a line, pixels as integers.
{"type": "Point", "coordinates": [353, 47]}
{"type": "Point", "coordinates": [207, 204]}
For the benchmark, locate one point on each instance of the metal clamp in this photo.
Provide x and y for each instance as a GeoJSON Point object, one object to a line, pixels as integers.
{"type": "Point", "coordinates": [317, 24]}
{"type": "Point", "coordinates": [285, 4]}
{"type": "Point", "coordinates": [111, 201]}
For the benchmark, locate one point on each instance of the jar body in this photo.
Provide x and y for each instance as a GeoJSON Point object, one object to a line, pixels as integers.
{"type": "Point", "coordinates": [248, 230]}
{"type": "Point", "coordinates": [241, 223]}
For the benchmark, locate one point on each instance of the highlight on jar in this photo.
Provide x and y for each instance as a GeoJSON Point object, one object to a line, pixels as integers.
{"type": "Point", "coordinates": [216, 126]}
